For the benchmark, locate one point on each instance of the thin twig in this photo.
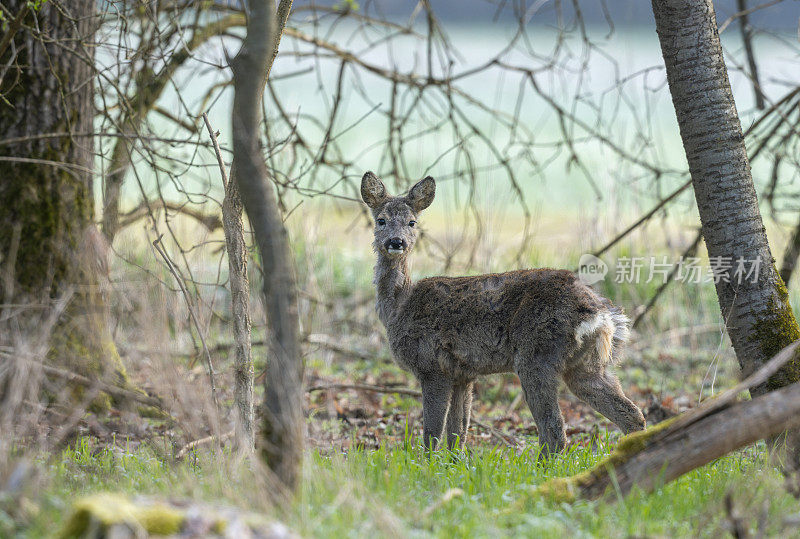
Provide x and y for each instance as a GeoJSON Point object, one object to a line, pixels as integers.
{"type": "Point", "coordinates": [745, 12]}
{"type": "Point", "coordinates": [366, 387]}
{"type": "Point", "coordinates": [644, 218]}
{"type": "Point", "coordinates": [515, 402]}
{"type": "Point", "coordinates": [202, 441]}
{"type": "Point", "coordinates": [689, 252]}
{"type": "Point", "coordinates": [185, 292]}
{"type": "Point", "coordinates": [313, 339]}
{"type": "Point", "coordinates": [220, 161]}
{"type": "Point", "coordinates": [13, 28]}
{"type": "Point", "coordinates": [505, 438]}
{"type": "Point", "coordinates": [325, 342]}
{"type": "Point", "coordinates": [210, 222]}
{"type": "Point", "coordinates": [747, 40]}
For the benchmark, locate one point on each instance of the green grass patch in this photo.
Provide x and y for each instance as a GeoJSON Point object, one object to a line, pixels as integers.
{"type": "Point", "coordinates": [402, 491]}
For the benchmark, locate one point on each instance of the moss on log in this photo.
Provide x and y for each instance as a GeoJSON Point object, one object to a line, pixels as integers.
{"type": "Point", "coordinates": [568, 489]}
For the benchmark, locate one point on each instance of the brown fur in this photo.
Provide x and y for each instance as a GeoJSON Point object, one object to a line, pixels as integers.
{"type": "Point", "coordinates": [542, 324]}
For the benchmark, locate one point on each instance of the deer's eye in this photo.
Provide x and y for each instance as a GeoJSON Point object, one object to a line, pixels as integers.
{"type": "Point", "coordinates": [412, 223]}
{"type": "Point", "coordinates": [381, 222]}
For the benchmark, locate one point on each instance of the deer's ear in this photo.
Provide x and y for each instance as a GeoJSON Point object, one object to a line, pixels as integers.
{"type": "Point", "coordinates": [421, 195]}
{"type": "Point", "coordinates": [373, 192]}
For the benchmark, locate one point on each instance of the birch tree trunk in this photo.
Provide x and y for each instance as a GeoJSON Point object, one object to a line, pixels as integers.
{"type": "Point", "coordinates": [281, 440]}
{"type": "Point", "coordinates": [755, 308]}
{"type": "Point", "coordinates": [49, 245]}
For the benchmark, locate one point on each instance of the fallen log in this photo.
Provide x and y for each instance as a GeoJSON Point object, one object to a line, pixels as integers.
{"type": "Point", "coordinates": [650, 458]}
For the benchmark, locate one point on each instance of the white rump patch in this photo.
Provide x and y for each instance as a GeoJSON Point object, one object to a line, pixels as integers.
{"type": "Point", "coordinates": [589, 327]}
{"type": "Point", "coordinates": [602, 328]}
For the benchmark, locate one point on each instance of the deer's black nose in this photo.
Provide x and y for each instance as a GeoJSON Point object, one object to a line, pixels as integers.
{"type": "Point", "coordinates": [395, 244]}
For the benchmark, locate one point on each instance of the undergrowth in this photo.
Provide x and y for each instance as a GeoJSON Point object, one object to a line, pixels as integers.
{"type": "Point", "coordinates": [402, 491]}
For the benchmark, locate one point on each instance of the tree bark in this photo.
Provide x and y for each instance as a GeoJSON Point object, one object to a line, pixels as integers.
{"type": "Point", "coordinates": [756, 311]}
{"type": "Point", "coordinates": [49, 90]}
{"type": "Point", "coordinates": [281, 440]}
{"type": "Point", "coordinates": [240, 297]}
{"type": "Point", "coordinates": [46, 193]}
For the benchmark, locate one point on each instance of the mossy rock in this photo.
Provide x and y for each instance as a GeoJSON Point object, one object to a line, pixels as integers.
{"type": "Point", "coordinates": [110, 514]}
{"type": "Point", "coordinates": [94, 516]}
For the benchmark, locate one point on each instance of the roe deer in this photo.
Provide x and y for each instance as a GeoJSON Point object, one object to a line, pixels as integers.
{"type": "Point", "coordinates": [542, 324]}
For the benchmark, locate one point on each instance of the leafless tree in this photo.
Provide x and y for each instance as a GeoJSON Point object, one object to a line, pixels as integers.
{"type": "Point", "coordinates": [240, 301]}
{"type": "Point", "coordinates": [757, 312]}
{"type": "Point", "coordinates": [167, 35]}
{"type": "Point", "coordinates": [50, 246]}
{"type": "Point", "coordinates": [281, 437]}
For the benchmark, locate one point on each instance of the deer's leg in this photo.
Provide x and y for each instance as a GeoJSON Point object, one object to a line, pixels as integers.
{"type": "Point", "coordinates": [540, 386]}
{"type": "Point", "coordinates": [601, 391]}
{"type": "Point", "coordinates": [459, 415]}
{"type": "Point", "coordinates": [436, 393]}
{"type": "Point", "coordinates": [467, 411]}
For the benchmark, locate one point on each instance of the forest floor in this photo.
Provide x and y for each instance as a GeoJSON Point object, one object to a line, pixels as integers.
{"type": "Point", "coordinates": [365, 473]}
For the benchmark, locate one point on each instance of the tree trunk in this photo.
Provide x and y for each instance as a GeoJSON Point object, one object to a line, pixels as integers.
{"type": "Point", "coordinates": [281, 441]}
{"type": "Point", "coordinates": [240, 297]}
{"type": "Point", "coordinates": [236, 248]}
{"type": "Point", "coordinates": [756, 309]}
{"type": "Point", "coordinates": [46, 195]}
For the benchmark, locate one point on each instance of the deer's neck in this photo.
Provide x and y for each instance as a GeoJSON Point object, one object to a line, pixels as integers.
{"type": "Point", "coordinates": [393, 281]}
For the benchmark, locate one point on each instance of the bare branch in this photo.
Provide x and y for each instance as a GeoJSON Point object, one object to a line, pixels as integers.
{"type": "Point", "coordinates": [200, 332]}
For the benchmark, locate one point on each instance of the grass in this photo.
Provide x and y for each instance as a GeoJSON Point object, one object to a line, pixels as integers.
{"type": "Point", "coordinates": [400, 491]}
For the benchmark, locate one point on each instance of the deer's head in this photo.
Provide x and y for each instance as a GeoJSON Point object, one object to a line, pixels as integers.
{"type": "Point", "coordinates": [396, 217]}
